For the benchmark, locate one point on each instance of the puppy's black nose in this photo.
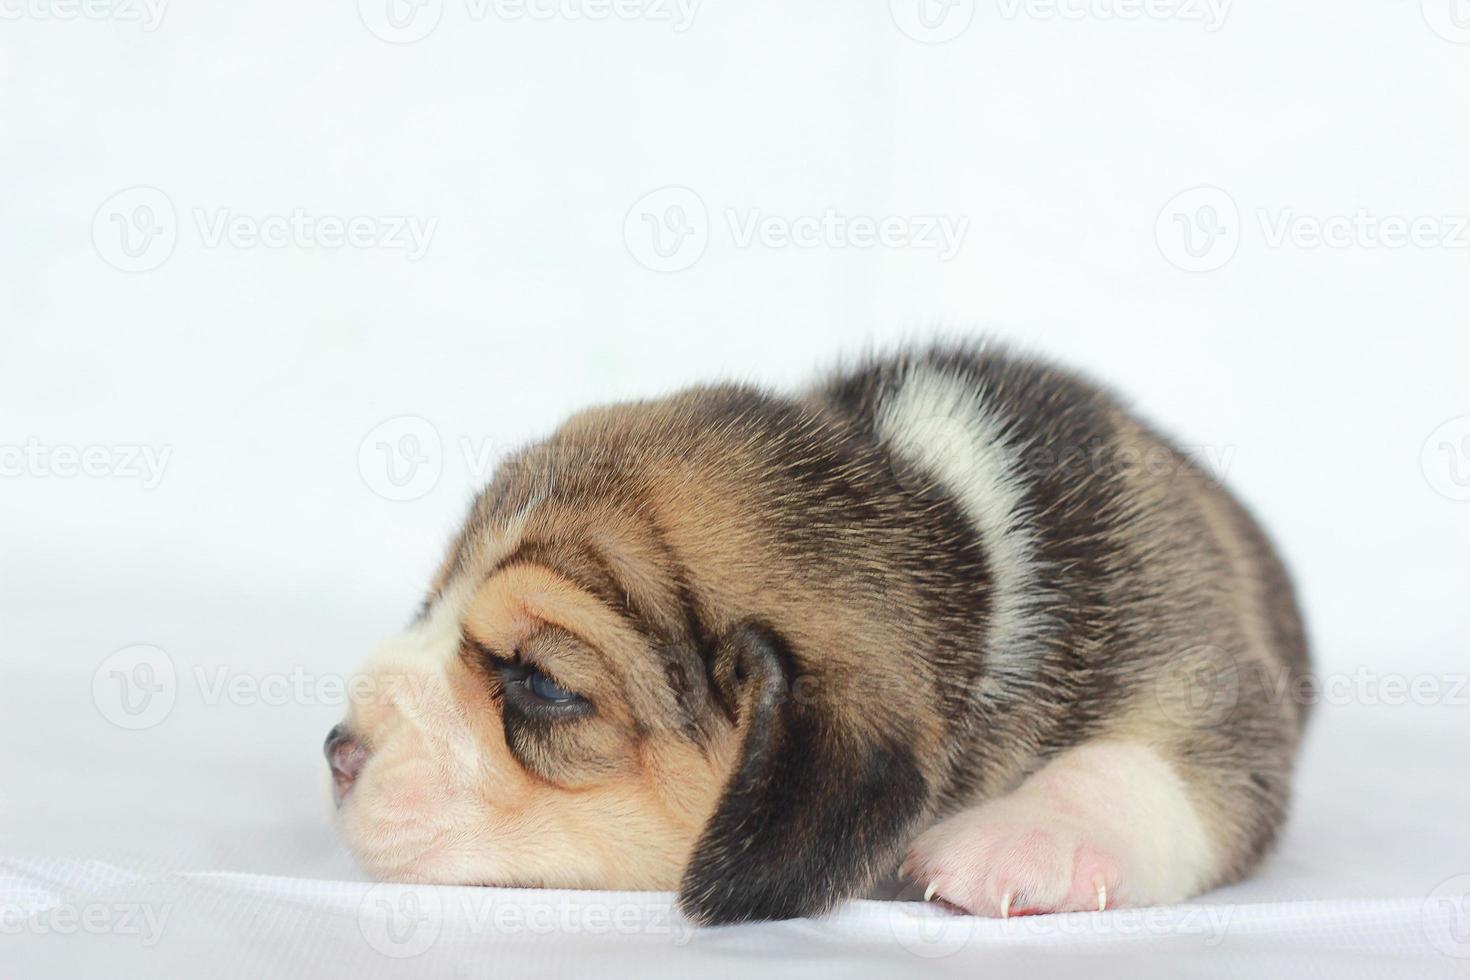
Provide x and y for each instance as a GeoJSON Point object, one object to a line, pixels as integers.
{"type": "Point", "coordinates": [346, 755]}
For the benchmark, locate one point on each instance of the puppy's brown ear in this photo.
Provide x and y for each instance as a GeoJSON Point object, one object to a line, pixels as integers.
{"type": "Point", "coordinates": [814, 811]}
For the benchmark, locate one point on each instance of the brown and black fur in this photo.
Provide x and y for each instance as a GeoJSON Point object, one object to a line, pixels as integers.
{"type": "Point", "coordinates": [816, 608]}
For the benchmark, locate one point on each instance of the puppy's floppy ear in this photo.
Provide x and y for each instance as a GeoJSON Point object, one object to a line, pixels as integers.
{"type": "Point", "coordinates": [815, 809]}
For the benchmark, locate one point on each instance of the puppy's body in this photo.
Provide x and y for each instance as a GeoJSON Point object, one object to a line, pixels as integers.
{"type": "Point", "coordinates": [952, 606]}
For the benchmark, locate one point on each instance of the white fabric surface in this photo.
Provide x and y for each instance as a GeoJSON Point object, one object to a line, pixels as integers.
{"type": "Point", "coordinates": [267, 556]}
{"type": "Point", "coordinates": [207, 838]}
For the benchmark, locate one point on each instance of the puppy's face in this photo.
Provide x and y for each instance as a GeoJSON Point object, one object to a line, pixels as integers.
{"type": "Point", "coordinates": [601, 693]}
{"type": "Point", "coordinates": [523, 733]}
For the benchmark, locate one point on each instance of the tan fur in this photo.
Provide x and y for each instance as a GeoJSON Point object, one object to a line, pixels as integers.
{"type": "Point", "coordinates": [446, 801]}
{"type": "Point", "coordinates": [767, 606]}
{"type": "Point", "coordinates": [633, 822]}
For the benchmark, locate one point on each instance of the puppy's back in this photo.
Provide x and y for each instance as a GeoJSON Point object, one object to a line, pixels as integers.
{"type": "Point", "coordinates": [1130, 593]}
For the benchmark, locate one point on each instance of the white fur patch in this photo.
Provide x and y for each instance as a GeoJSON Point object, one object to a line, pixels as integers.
{"type": "Point", "coordinates": [941, 424]}
{"type": "Point", "coordinates": [414, 668]}
{"type": "Point", "coordinates": [1104, 824]}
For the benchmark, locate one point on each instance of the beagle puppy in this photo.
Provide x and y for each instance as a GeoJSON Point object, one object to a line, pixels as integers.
{"type": "Point", "coordinates": [953, 612]}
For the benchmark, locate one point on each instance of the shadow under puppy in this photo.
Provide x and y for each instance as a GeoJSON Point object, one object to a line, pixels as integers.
{"type": "Point", "coordinates": [951, 610]}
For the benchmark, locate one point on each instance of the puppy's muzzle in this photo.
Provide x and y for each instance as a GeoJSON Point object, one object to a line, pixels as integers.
{"type": "Point", "coordinates": [346, 755]}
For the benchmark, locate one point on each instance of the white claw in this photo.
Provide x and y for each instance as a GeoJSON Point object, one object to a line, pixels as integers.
{"type": "Point", "coordinates": [1102, 896]}
{"type": "Point", "coordinates": [1005, 906]}
{"type": "Point", "coordinates": [929, 892]}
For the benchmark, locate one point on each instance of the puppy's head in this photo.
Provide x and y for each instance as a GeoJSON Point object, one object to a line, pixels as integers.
{"type": "Point", "coordinates": [638, 668]}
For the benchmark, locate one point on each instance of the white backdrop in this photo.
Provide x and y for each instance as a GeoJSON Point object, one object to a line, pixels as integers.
{"type": "Point", "coordinates": [280, 281]}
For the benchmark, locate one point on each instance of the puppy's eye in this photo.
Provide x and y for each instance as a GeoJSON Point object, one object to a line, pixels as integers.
{"type": "Point", "coordinates": [547, 689]}
{"type": "Point", "coordinates": [531, 694]}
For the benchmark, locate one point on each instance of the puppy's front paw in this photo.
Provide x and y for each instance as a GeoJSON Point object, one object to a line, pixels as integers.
{"type": "Point", "coordinates": [1015, 857]}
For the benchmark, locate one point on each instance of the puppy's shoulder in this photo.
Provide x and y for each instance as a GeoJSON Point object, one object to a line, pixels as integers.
{"type": "Point", "coordinates": [1023, 395]}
